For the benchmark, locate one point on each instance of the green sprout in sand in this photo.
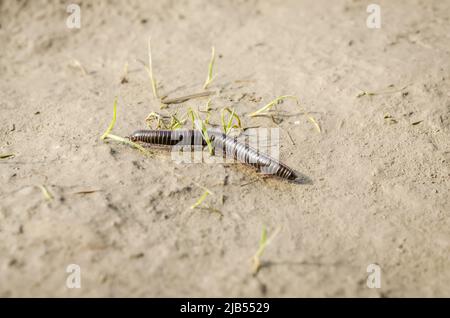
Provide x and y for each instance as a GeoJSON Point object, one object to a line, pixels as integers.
{"type": "Point", "coordinates": [266, 110]}
{"type": "Point", "coordinates": [210, 76]}
{"type": "Point", "coordinates": [201, 199]}
{"type": "Point", "coordinates": [107, 133]}
{"type": "Point", "coordinates": [263, 243]}
{"type": "Point", "coordinates": [228, 125]}
{"type": "Point", "coordinates": [200, 125]}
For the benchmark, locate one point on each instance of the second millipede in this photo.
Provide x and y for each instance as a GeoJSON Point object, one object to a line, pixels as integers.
{"type": "Point", "coordinates": [228, 146]}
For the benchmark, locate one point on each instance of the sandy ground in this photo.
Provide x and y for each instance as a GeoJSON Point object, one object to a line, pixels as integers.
{"type": "Point", "coordinates": [380, 166]}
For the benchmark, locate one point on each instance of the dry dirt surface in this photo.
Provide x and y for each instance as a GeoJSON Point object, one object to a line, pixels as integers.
{"type": "Point", "coordinates": [379, 167]}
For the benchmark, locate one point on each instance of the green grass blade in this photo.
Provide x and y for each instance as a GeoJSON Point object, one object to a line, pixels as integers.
{"type": "Point", "coordinates": [210, 78]}
{"type": "Point", "coordinates": [191, 114]}
{"type": "Point", "coordinates": [201, 199]}
{"type": "Point", "coordinates": [233, 116]}
{"type": "Point", "coordinates": [113, 121]}
{"type": "Point", "coordinates": [176, 123]}
{"type": "Point", "coordinates": [263, 243]}
{"type": "Point", "coordinates": [265, 109]}
{"type": "Point", "coordinates": [129, 142]}
{"type": "Point", "coordinates": [263, 240]}
{"type": "Point", "coordinates": [315, 123]}
{"type": "Point", "coordinates": [200, 125]}
{"type": "Point", "coordinates": [108, 135]}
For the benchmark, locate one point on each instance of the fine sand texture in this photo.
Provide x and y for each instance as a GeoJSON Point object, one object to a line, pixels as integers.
{"type": "Point", "coordinates": [379, 166]}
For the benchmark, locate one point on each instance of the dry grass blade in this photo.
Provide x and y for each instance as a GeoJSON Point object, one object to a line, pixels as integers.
{"type": "Point", "coordinates": [389, 119]}
{"type": "Point", "coordinates": [46, 193]}
{"type": "Point", "coordinates": [86, 191]}
{"type": "Point", "coordinates": [7, 155]}
{"type": "Point", "coordinates": [290, 137]}
{"type": "Point", "coordinates": [182, 99]}
{"type": "Point", "coordinates": [210, 77]}
{"type": "Point", "coordinates": [155, 117]}
{"type": "Point", "coordinates": [77, 64]}
{"type": "Point", "coordinates": [386, 91]}
{"type": "Point", "coordinates": [210, 209]}
{"type": "Point", "coordinates": [149, 70]}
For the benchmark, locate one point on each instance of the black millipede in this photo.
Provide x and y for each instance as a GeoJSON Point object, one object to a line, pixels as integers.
{"type": "Point", "coordinates": [228, 146]}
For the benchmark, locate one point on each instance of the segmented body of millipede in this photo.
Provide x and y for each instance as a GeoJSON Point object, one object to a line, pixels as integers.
{"type": "Point", "coordinates": [228, 146]}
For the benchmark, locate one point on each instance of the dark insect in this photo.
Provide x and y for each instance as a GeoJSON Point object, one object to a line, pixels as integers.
{"type": "Point", "coordinates": [228, 146]}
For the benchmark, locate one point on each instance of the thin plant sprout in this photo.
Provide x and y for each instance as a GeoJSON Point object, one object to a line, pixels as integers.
{"type": "Point", "coordinates": [208, 106]}
{"type": "Point", "coordinates": [128, 142]}
{"type": "Point", "coordinates": [203, 196]}
{"type": "Point", "coordinates": [265, 110]}
{"type": "Point", "coordinates": [149, 70]}
{"type": "Point", "coordinates": [113, 121]}
{"type": "Point", "coordinates": [263, 243]}
{"type": "Point", "coordinates": [207, 110]}
{"type": "Point", "coordinates": [227, 126]}
{"type": "Point", "coordinates": [107, 133]}
{"type": "Point", "coordinates": [208, 140]}
{"type": "Point", "coordinates": [201, 199]}
{"type": "Point", "coordinates": [176, 123]}
{"type": "Point", "coordinates": [210, 76]}
{"type": "Point", "coordinates": [199, 124]}
{"type": "Point", "coordinates": [191, 114]}
{"type": "Point", "coordinates": [310, 118]}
